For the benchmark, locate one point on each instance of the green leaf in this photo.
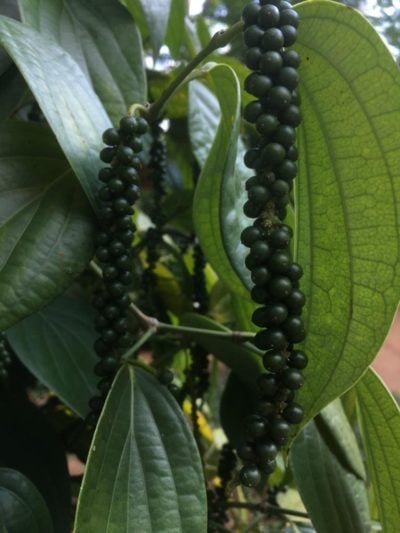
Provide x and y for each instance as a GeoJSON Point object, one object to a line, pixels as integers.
{"type": "Point", "coordinates": [380, 420]}
{"type": "Point", "coordinates": [104, 41]}
{"type": "Point", "coordinates": [66, 98]}
{"type": "Point", "coordinates": [335, 499]}
{"type": "Point", "coordinates": [335, 427]}
{"type": "Point", "coordinates": [56, 345]}
{"type": "Point", "coordinates": [220, 192]}
{"type": "Point", "coordinates": [243, 358]}
{"type": "Point", "coordinates": [22, 507]}
{"type": "Point", "coordinates": [45, 222]}
{"type": "Point", "coordinates": [348, 196]}
{"type": "Point", "coordinates": [156, 14]}
{"type": "Point", "coordinates": [144, 472]}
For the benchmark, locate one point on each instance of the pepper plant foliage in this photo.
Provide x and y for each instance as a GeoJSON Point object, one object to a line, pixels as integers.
{"type": "Point", "coordinates": [154, 449]}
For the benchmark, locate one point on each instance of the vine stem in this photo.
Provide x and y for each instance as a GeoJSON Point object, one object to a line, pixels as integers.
{"type": "Point", "coordinates": [142, 340]}
{"type": "Point", "coordinates": [265, 508]}
{"type": "Point", "coordinates": [153, 324]}
{"type": "Point", "coordinates": [219, 40]}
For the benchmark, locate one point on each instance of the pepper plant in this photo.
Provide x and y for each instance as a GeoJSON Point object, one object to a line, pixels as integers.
{"type": "Point", "coordinates": [199, 260]}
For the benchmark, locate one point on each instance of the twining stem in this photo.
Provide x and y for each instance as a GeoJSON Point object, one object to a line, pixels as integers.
{"type": "Point", "coordinates": [265, 508]}
{"type": "Point", "coordinates": [152, 323]}
{"type": "Point", "coordinates": [219, 40]}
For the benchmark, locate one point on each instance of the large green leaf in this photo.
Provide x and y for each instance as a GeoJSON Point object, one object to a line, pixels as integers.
{"type": "Point", "coordinates": [220, 192]}
{"type": "Point", "coordinates": [22, 507]}
{"type": "Point", "coordinates": [156, 14]}
{"type": "Point", "coordinates": [243, 358]}
{"type": "Point", "coordinates": [65, 96]}
{"type": "Point", "coordinates": [335, 498]}
{"type": "Point", "coordinates": [56, 344]}
{"type": "Point", "coordinates": [45, 221]}
{"type": "Point", "coordinates": [144, 472]}
{"type": "Point", "coordinates": [347, 196]}
{"type": "Point", "coordinates": [380, 418]}
{"type": "Point", "coordinates": [102, 39]}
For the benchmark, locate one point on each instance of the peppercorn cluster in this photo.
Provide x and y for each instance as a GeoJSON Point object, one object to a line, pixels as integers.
{"type": "Point", "coordinates": [113, 247]}
{"type": "Point", "coordinates": [5, 356]}
{"type": "Point", "coordinates": [217, 515]}
{"type": "Point", "coordinates": [270, 28]}
{"type": "Point", "coordinates": [154, 235]}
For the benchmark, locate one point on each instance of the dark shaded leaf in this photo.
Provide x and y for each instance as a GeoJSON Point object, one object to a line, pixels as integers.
{"type": "Point", "coordinates": [22, 507]}
{"type": "Point", "coordinates": [45, 222]}
{"type": "Point", "coordinates": [56, 345]}
{"type": "Point", "coordinates": [28, 444]}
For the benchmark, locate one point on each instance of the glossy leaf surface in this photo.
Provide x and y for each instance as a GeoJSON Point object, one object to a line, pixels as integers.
{"type": "Point", "coordinates": [104, 41]}
{"type": "Point", "coordinates": [380, 418]}
{"type": "Point", "coordinates": [56, 345]}
{"type": "Point", "coordinates": [65, 96]}
{"type": "Point", "coordinates": [144, 472]}
{"type": "Point", "coordinates": [45, 221]}
{"type": "Point", "coordinates": [22, 507]}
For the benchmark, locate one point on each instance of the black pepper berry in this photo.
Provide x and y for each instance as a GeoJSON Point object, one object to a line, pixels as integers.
{"type": "Point", "coordinates": [250, 13]}
{"type": "Point", "coordinates": [274, 361]}
{"type": "Point", "coordinates": [111, 137]}
{"type": "Point", "coordinates": [253, 35]}
{"type": "Point", "coordinates": [268, 16]}
{"type": "Point", "coordinates": [250, 475]}
{"type": "Point", "coordinates": [272, 39]}
{"type": "Point", "coordinates": [289, 17]}
{"type": "Point", "coordinates": [270, 62]}
{"type": "Point", "coordinates": [293, 413]}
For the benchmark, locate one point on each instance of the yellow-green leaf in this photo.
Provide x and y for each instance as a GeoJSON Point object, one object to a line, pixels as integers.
{"type": "Point", "coordinates": [348, 191]}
